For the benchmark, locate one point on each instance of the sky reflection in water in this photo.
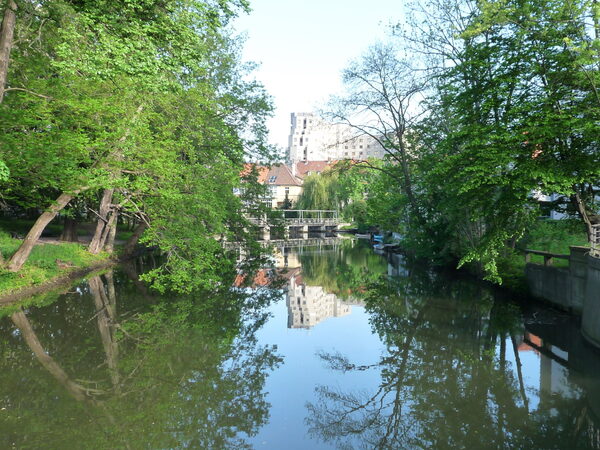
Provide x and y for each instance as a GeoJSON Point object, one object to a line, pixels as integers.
{"type": "Point", "coordinates": [341, 356]}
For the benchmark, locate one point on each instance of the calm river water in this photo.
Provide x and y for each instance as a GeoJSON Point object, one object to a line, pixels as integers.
{"type": "Point", "coordinates": [348, 349]}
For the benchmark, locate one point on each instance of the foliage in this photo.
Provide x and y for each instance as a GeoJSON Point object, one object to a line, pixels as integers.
{"type": "Point", "coordinates": [148, 99]}
{"type": "Point", "coordinates": [507, 108]}
{"type": "Point", "coordinates": [343, 188]}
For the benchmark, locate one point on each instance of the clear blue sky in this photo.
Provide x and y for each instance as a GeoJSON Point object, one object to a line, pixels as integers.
{"type": "Point", "coordinates": [303, 46]}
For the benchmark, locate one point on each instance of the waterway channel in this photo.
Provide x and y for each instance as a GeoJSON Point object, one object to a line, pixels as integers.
{"type": "Point", "coordinates": [330, 346]}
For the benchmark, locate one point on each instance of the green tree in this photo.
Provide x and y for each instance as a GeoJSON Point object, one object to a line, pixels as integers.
{"type": "Point", "coordinates": [146, 107]}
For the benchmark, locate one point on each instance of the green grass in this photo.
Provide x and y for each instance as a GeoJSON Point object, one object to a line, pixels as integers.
{"type": "Point", "coordinates": [42, 263]}
{"type": "Point", "coordinates": [554, 236]}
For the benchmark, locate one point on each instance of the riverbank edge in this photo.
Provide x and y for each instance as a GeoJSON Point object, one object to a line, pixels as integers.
{"type": "Point", "coordinates": [60, 281]}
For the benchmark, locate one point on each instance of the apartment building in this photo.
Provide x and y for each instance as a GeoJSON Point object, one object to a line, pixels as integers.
{"type": "Point", "coordinates": [313, 139]}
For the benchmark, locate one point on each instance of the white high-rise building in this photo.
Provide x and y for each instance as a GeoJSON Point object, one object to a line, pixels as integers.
{"type": "Point", "coordinates": [313, 139]}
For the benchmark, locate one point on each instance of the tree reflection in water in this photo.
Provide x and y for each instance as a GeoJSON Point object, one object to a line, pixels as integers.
{"type": "Point", "coordinates": [186, 373]}
{"type": "Point", "coordinates": [451, 377]}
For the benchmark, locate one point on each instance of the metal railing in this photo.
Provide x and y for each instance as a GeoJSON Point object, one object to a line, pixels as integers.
{"type": "Point", "coordinates": [299, 217]}
{"type": "Point", "coordinates": [595, 244]}
{"type": "Point", "coordinates": [307, 242]}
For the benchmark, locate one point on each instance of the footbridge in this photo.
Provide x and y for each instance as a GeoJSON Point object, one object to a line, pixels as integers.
{"type": "Point", "coordinates": [297, 221]}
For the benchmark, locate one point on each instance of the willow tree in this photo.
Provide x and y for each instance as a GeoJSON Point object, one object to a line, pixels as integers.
{"type": "Point", "coordinates": [319, 192]}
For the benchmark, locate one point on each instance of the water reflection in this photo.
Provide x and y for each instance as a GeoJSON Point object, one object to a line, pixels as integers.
{"type": "Point", "coordinates": [303, 268]}
{"type": "Point", "coordinates": [334, 346]}
{"type": "Point", "coordinates": [312, 294]}
{"type": "Point", "coordinates": [453, 375]}
{"type": "Point", "coordinates": [310, 305]}
{"type": "Point", "coordinates": [102, 368]}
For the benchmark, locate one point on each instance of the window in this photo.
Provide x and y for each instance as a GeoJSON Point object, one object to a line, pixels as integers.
{"type": "Point", "coordinates": [287, 190]}
{"type": "Point", "coordinates": [360, 146]}
{"type": "Point", "coordinates": [272, 178]}
{"type": "Point", "coordinates": [300, 141]}
{"type": "Point", "coordinates": [346, 147]}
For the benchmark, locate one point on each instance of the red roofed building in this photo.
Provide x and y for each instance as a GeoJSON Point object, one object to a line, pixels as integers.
{"type": "Point", "coordinates": [283, 186]}
{"type": "Point", "coordinates": [281, 182]}
{"type": "Point", "coordinates": [285, 182]}
{"type": "Point", "coordinates": [305, 168]}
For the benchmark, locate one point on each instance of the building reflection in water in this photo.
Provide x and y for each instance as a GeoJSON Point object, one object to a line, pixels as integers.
{"type": "Point", "coordinates": [568, 370]}
{"type": "Point", "coordinates": [310, 305]}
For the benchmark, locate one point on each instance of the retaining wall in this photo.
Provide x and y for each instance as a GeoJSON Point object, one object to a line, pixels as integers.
{"type": "Point", "coordinates": [576, 288]}
{"type": "Point", "coordinates": [590, 318]}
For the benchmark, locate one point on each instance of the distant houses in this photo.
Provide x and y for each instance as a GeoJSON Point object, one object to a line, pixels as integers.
{"type": "Point", "coordinates": [314, 146]}
{"type": "Point", "coordinates": [285, 182]}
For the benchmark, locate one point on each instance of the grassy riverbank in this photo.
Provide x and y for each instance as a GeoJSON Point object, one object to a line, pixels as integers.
{"type": "Point", "coordinates": [46, 262]}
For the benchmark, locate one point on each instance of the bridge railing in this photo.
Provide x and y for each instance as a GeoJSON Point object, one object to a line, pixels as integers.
{"type": "Point", "coordinates": [595, 244]}
{"type": "Point", "coordinates": [299, 216]}
{"type": "Point", "coordinates": [320, 214]}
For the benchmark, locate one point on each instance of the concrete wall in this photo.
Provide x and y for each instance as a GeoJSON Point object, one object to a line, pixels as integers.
{"type": "Point", "coordinates": [578, 267]}
{"type": "Point", "coordinates": [552, 284]}
{"type": "Point", "coordinates": [576, 288]}
{"type": "Point", "coordinates": [590, 318]}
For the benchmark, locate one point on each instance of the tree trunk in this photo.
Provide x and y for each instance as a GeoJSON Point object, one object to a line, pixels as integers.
{"type": "Point", "coordinates": [581, 209]}
{"type": "Point", "coordinates": [96, 243]}
{"type": "Point", "coordinates": [22, 323]}
{"type": "Point", "coordinates": [20, 256]}
{"type": "Point", "coordinates": [7, 31]}
{"type": "Point", "coordinates": [112, 232]}
{"type": "Point", "coordinates": [108, 227]}
{"type": "Point", "coordinates": [106, 323]}
{"type": "Point", "coordinates": [69, 232]}
{"type": "Point", "coordinates": [135, 237]}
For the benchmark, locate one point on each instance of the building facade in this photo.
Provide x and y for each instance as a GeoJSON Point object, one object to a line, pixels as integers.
{"type": "Point", "coordinates": [313, 139]}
